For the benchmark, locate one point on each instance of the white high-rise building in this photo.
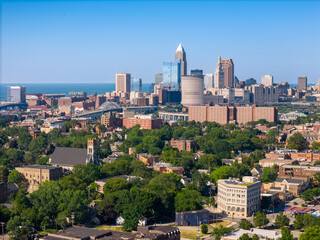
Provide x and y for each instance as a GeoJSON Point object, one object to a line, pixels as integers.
{"type": "Point", "coordinates": [208, 80]}
{"type": "Point", "coordinates": [219, 75]}
{"type": "Point", "coordinates": [16, 94]}
{"type": "Point", "coordinates": [267, 80]}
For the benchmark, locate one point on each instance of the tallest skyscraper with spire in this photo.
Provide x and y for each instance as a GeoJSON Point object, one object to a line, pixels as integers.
{"type": "Point", "coordinates": [181, 54]}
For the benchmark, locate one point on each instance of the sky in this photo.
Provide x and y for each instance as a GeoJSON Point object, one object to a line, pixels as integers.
{"type": "Point", "coordinates": [91, 41]}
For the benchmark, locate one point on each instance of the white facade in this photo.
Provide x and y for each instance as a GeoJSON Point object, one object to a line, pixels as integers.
{"type": "Point", "coordinates": [267, 80]}
{"type": "Point", "coordinates": [208, 80]}
{"type": "Point", "coordinates": [239, 199]}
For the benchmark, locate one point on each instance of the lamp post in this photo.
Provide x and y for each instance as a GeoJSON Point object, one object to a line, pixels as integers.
{"type": "Point", "coordinates": [2, 227]}
{"type": "Point", "coordinates": [72, 217]}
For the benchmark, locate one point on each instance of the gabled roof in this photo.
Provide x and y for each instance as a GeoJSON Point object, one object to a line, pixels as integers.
{"type": "Point", "coordinates": [63, 156]}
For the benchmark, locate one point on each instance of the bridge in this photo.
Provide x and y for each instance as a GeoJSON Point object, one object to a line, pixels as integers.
{"type": "Point", "coordinates": [95, 114]}
{"type": "Point", "coordinates": [13, 106]}
{"type": "Point", "coordinates": [105, 107]}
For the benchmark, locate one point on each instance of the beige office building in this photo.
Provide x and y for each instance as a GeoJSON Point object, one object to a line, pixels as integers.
{"type": "Point", "coordinates": [239, 199]}
{"type": "Point", "coordinates": [38, 174]}
{"type": "Point", "coordinates": [228, 70]}
{"type": "Point", "coordinates": [123, 82]}
{"type": "Point", "coordinates": [219, 75]}
{"type": "Point", "coordinates": [267, 80]}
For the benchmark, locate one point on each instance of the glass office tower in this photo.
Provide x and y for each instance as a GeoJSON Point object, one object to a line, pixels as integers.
{"type": "Point", "coordinates": [172, 75]}
{"type": "Point", "coordinates": [136, 84]}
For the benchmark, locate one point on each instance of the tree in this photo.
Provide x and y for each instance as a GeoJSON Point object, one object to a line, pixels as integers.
{"type": "Point", "coordinates": [245, 237]}
{"type": "Point", "coordinates": [106, 211]}
{"type": "Point", "coordinates": [223, 172]}
{"type": "Point", "coordinates": [38, 145]}
{"type": "Point", "coordinates": [3, 174]}
{"type": "Point", "coordinates": [260, 220]}
{"type": "Point", "coordinates": [19, 228]}
{"type": "Point", "coordinates": [88, 173]}
{"type": "Point", "coordinates": [311, 233]}
{"type": "Point", "coordinates": [286, 234]}
{"type": "Point", "coordinates": [43, 160]}
{"type": "Point", "coordinates": [24, 139]}
{"type": "Point", "coordinates": [296, 141]}
{"type": "Point", "coordinates": [282, 220]}
{"type": "Point", "coordinates": [245, 224]}
{"type": "Point", "coordinates": [204, 228]}
{"type": "Point", "coordinates": [209, 161]}
{"type": "Point", "coordinates": [269, 174]}
{"type": "Point", "coordinates": [4, 213]}
{"type": "Point", "coordinates": [16, 177]}
{"type": "Point", "coordinates": [188, 200]}
{"type": "Point", "coordinates": [272, 136]}
{"type": "Point", "coordinates": [298, 222]}
{"type": "Point", "coordinates": [220, 231]}
{"type": "Point", "coordinates": [114, 184]}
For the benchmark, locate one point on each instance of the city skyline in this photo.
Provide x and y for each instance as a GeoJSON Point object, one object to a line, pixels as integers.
{"type": "Point", "coordinates": [81, 42]}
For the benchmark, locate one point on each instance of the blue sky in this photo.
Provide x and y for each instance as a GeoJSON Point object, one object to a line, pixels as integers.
{"type": "Point", "coordinates": [87, 42]}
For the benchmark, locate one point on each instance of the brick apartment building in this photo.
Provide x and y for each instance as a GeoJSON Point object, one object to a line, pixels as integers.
{"type": "Point", "coordinates": [145, 122]}
{"type": "Point", "coordinates": [226, 114]}
{"type": "Point", "coordinates": [37, 174]}
{"type": "Point", "coordinates": [184, 145]}
{"type": "Point", "coordinates": [111, 119]}
{"type": "Point", "coordinates": [308, 155]}
{"type": "Point", "coordinates": [296, 171]}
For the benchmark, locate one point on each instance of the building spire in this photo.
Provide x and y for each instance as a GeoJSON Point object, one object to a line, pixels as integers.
{"type": "Point", "coordinates": [180, 48]}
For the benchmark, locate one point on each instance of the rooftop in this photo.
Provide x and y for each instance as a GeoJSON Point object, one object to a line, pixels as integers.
{"type": "Point", "coordinates": [260, 232]}
{"type": "Point", "coordinates": [40, 167]}
{"type": "Point", "coordinates": [302, 167]}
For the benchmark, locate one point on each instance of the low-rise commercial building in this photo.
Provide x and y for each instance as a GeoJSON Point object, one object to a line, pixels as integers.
{"type": "Point", "coordinates": [38, 174]}
{"type": "Point", "coordinates": [295, 171]}
{"type": "Point", "coordinates": [270, 162]}
{"type": "Point", "coordinates": [237, 198]}
{"type": "Point", "coordinates": [145, 122]}
{"type": "Point", "coordinates": [192, 218]}
{"type": "Point", "coordinates": [184, 145]}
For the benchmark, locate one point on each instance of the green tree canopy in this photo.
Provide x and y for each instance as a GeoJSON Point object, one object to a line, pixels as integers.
{"type": "Point", "coordinates": [188, 200]}
{"type": "Point", "coordinates": [260, 220]}
{"type": "Point", "coordinates": [296, 141]}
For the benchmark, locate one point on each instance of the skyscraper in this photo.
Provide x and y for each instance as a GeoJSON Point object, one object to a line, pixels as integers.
{"type": "Point", "coordinates": [228, 69]}
{"type": "Point", "coordinates": [172, 75]}
{"type": "Point", "coordinates": [197, 73]}
{"type": "Point", "coordinates": [267, 80]}
{"type": "Point", "coordinates": [16, 94]}
{"type": "Point", "coordinates": [208, 80]}
{"type": "Point", "coordinates": [158, 78]}
{"type": "Point", "coordinates": [251, 81]}
{"type": "Point", "coordinates": [123, 82]}
{"type": "Point", "coordinates": [219, 75]}
{"type": "Point", "coordinates": [302, 83]}
{"type": "Point", "coordinates": [181, 55]}
{"type": "Point", "coordinates": [136, 84]}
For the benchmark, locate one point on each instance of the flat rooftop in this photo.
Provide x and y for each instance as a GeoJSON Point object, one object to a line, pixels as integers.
{"type": "Point", "coordinates": [39, 167]}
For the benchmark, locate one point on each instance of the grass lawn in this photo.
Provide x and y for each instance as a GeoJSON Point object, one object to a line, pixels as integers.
{"type": "Point", "coordinates": [108, 228]}
{"type": "Point", "coordinates": [190, 234]}
{"type": "Point", "coordinates": [217, 224]}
